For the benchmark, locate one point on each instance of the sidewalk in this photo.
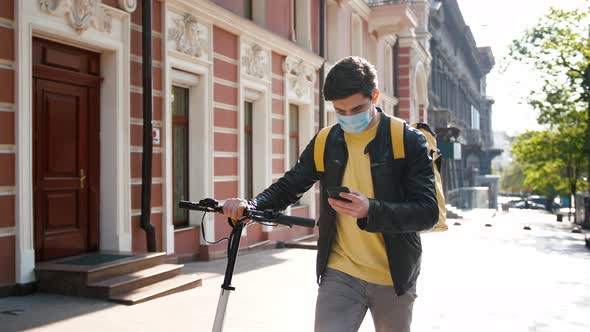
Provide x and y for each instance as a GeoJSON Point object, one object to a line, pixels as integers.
{"type": "Point", "coordinates": [474, 278]}
{"type": "Point", "coordinates": [272, 287]}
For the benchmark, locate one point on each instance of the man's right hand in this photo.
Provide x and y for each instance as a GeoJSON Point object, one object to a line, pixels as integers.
{"type": "Point", "coordinates": [234, 208]}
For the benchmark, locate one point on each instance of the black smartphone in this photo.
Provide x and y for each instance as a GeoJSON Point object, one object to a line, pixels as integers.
{"type": "Point", "coordinates": [334, 192]}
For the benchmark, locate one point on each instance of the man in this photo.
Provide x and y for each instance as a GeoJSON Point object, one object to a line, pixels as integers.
{"type": "Point", "coordinates": [368, 249]}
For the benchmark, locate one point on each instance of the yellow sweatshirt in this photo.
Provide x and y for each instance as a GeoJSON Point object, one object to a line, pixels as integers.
{"type": "Point", "coordinates": [356, 252]}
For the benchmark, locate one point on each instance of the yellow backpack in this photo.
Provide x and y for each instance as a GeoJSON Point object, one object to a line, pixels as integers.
{"type": "Point", "coordinates": [397, 143]}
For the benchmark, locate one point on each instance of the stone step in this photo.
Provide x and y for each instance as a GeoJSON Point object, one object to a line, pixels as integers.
{"type": "Point", "coordinates": [134, 264]}
{"type": "Point", "coordinates": [134, 280]}
{"type": "Point", "coordinates": [453, 212]}
{"type": "Point", "coordinates": [173, 285]}
{"type": "Point", "coordinates": [64, 277]}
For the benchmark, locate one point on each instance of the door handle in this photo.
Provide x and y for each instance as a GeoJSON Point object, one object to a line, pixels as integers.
{"type": "Point", "coordinates": [82, 178]}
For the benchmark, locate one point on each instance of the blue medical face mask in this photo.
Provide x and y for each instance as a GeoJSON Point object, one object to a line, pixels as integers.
{"type": "Point", "coordinates": [354, 124]}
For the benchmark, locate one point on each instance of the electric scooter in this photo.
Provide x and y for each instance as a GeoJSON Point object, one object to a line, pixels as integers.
{"type": "Point", "coordinates": [263, 217]}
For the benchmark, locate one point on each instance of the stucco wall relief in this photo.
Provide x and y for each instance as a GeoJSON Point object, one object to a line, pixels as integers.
{"type": "Point", "coordinates": [80, 14]}
{"type": "Point", "coordinates": [255, 60]}
{"type": "Point", "coordinates": [300, 76]}
{"type": "Point", "coordinates": [187, 35]}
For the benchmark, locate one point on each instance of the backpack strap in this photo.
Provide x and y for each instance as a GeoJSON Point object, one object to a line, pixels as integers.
{"type": "Point", "coordinates": [430, 136]}
{"type": "Point", "coordinates": [397, 137]}
{"type": "Point", "coordinates": [319, 148]}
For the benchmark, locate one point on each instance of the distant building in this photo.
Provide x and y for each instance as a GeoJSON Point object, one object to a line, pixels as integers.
{"type": "Point", "coordinates": [460, 107]}
{"type": "Point", "coordinates": [503, 142]}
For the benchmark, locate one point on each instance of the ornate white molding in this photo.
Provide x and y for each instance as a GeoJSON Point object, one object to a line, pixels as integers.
{"type": "Point", "coordinates": [255, 60]}
{"type": "Point", "coordinates": [224, 19]}
{"type": "Point", "coordinates": [300, 76]}
{"type": "Point", "coordinates": [128, 5]}
{"type": "Point", "coordinates": [81, 14]}
{"type": "Point", "coordinates": [188, 36]}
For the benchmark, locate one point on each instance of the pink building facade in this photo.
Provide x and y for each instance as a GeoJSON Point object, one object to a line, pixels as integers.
{"type": "Point", "coordinates": [236, 97]}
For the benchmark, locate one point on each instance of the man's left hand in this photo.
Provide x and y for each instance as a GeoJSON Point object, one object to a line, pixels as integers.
{"type": "Point", "coordinates": [357, 208]}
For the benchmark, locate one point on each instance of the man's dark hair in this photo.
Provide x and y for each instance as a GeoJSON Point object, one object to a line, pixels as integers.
{"type": "Point", "coordinates": [349, 76]}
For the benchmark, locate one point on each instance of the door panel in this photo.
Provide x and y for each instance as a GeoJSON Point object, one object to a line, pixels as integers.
{"type": "Point", "coordinates": [61, 186]}
{"type": "Point", "coordinates": [60, 117]}
{"type": "Point", "coordinates": [62, 208]}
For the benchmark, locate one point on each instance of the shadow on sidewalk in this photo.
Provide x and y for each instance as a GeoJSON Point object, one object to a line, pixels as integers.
{"type": "Point", "coordinates": [244, 263]}
{"type": "Point", "coordinates": [19, 313]}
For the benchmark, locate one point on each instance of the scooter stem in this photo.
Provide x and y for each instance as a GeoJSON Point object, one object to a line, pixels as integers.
{"type": "Point", "coordinates": [226, 287]}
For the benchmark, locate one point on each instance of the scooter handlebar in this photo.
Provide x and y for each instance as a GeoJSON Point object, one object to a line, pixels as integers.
{"type": "Point", "coordinates": [211, 205]}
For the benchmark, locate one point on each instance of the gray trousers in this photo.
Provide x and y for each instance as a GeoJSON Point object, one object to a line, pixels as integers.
{"type": "Point", "coordinates": [343, 301]}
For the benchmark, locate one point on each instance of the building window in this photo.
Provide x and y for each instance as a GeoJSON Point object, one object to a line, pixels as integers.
{"type": "Point", "coordinates": [301, 18]}
{"type": "Point", "coordinates": [248, 150]}
{"type": "Point", "coordinates": [248, 9]}
{"type": "Point", "coordinates": [180, 155]}
{"type": "Point", "coordinates": [474, 118]}
{"type": "Point", "coordinates": [293, 134]}
{"type": "Point", "coordinates": [243, 8]}
{"type": "Point", "coordinates": [293, 18]}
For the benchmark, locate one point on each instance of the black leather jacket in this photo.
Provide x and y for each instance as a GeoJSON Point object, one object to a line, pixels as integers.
{"type": "Point", "coordinates": [405, 198]}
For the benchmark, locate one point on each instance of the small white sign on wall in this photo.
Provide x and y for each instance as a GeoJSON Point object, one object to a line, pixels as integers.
{"type": "Point", "coordinates": [156, 136]}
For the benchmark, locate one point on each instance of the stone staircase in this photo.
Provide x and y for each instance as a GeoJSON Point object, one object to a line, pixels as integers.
{"type": "Point", "coordinates": [453, 212]}
{"type": "Point", "coordinates": [119, 277]}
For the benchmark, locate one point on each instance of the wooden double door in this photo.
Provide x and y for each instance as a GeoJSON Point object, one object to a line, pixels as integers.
{"type": "Point", "coordinates": [66, 149]}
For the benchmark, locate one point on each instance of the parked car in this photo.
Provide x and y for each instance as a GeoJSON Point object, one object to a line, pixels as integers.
{"type": "Point", "coordinates": [533, 202]}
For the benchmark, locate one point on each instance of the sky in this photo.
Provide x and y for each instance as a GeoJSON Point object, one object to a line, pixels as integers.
{"type": "Point", "coordinates": [496, 24]}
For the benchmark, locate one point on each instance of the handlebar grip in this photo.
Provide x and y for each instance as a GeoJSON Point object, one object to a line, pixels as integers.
{"type": "Point", "coordinates": [296, 221]}
{"type": "Point", "coordinates": [188, 205]}
{"type": "Point", "coordinates": [201, 206]}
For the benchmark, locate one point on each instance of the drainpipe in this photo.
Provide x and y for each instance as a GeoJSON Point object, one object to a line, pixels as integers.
{"type": "Point", "coordinates": [146, 163]}
{"type": "Point", "coordinates": [322, 69]}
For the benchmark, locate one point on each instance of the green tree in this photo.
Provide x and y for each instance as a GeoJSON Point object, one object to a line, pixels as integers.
{"type": "Point", "coordinates": [558, 49]}
{"type": "Point", "coordinates": [512, 179]}
{"type": "Point", "coordinates": [532, 152]}
{"type": "Point", "coordinates": [552, 161]}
